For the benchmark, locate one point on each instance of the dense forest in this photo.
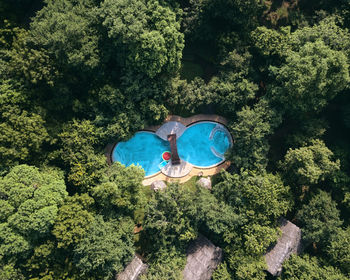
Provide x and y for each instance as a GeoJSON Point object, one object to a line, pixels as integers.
{"type": "Point", "coordinates": [76, 75]}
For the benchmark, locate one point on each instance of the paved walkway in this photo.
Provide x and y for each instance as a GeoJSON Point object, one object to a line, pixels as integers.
{"type": "Point", "coordinates": [170, 128]}
{"type": "Point", "coordinates": [177, 171]}
{"type": "Point", "coordinates": [194, 172]}
{"type": "Point", "coordinates": [190, 120]}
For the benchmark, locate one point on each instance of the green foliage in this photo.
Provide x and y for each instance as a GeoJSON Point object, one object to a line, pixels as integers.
{"type": "Point", "coordinates": [83, 73]}
{"type": "Point", "coordinates": [78, 139]}
{"type": "Point", "coordinates": [107, 246]}
{"type": "Point", "coordinates": [73, 221]}
{"type": "Point", "coordinates": [168, 264]}
{"type": "Point", "coordinates": [66, 30]}
{"type": "Point", "coordinates": [270, 42]}
{"type": "Point", "coordinates": [309, 79]}
{"type": "Point", "coordinates": [232, 88]}
{"type": "Point", "coordinates": [35, 197]}
{"type": "Point", "coordinates": [24, 63]}
{"type": "Point", "coordinates": [309, 268]}
{"type": "Point", "coordinates": [9, 272]}
{"type": "Point", "coordinates": [23, 132]}
{"type": "Point", "coordinates": [262, 197]}
{"type": "Point", "coordinates": [187, 97]}
{"type": "Point", "coordinates": [221, 272]}
{"type": "Point", "coordinates": [146, 32]}
{"type": "Point", "coordinates": [310, 129]}
{"type": "Point", "coordinates": [174, 216]}
{"type": "Point", "coordinates": [121, 191]}
{"type": "Point", "coordinates": [167, 218]}
{"type": "Point", "coordinates": [250, 268]}
{"type": "Point", "coordinates": [46, 262]}
{"type": "Point", "coordinates": [113, 111]}
{"type": "Point", "coordinates": [222, 22]}
{"type": "Point", "coordinates": [338, 249]}
{"type": "Point", "coordinates": [319, 218]}
{"type": "Point", "coordinates": [328, 30]}
{"type": "Point", "coordinates": [309, 164]}
{"type": "Point", "coordinates": [250, 132]}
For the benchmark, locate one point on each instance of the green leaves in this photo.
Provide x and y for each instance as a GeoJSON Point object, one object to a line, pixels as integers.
{"type": "Point", "coordinates": [148, 32]}
{"type": "Point", "coordinates": [309, 164]}
{"type": "Point", "coordinates": [250, 132]}
{"type": "Point", "coordinates": [23, 132]}
{"type": "Point", "coordinates": [309, 268]}
{"type": "Point", "coordinates": [73, 221]}
{"type": "Point", "coordinates": [32, 198]}
{"type": "Point", "coordinates": [65, 29]}
{"type": "Point", "coordinates": [319, 218]}
{"type": "Point", "coordinates": [309, 78]}
{"type": "Point", "coordinates": [106, 247]}
{"type": "Point", "coordinates": [261, 197]}
{"type": "Point", "coordinates": [78, 139]}
{"type": "Point", "coordinates": [121, 191]}
{"type": "Point", "coordinates": [338, 249]}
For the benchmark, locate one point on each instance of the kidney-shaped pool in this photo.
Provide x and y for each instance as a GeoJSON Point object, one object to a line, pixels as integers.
{"type": "Point", "coordinates": [202, 144]}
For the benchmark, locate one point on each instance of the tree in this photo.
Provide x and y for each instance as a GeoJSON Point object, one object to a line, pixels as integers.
{"type": "Point", "coordinates": [9, 272]}
{"type": "Point", "coordinates": [167, 219]}
{"type": "Point", "coordinates": [23, 132]}
{"type": "Point", "coordinates": [188, 96]}
{"type": "Point", "coordinates": [146, 32]}
{"type": "Point", "coordinates": [23, 63]}
{"type": "Point", "coordinates": [309, 79]}
{"type": "Point", "coordinates": [338, 249]}
{"type": "Point", "coordinates": [106, 248]}
{"type": "Point", "coordinates": [66, 29]}
{"type": "Point", "coordinates": [309, 164]}
{"type": "Point", "coordinates": [328, 30]}
{"type": "Point", "coordinates": [166, 264]}
{"type": "Point", "coordinates": [77, 141]}
{"type": "Point", "coordinates": [73, 221]}
{"type": "Point", "coordinates": [319, 218]}
{"type": "Point", "coordinates": [221, 23]}
{"type": "Point", "coordinates": [221, 272]}
{"type": "Point", "coordinates": [35, 197]}
{"type": "Point", "coordinates": [309, 268]}
{"type": "Point", "coordinates": [262, 197]}
{"type": "Point", "coordinates": [250, 132]}
{"type": "Point", "coordinates": [270, 42]}
{"type": "Point", "coordinates": [121, 191]}
{"type": "Point", "coordinates": [232, 88]}
{"type": "Point", "coordinates": [174, 217]}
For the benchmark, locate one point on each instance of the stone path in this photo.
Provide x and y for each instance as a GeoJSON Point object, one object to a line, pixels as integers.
{"type": "Point", "coordinates": [190, 120]}
{"type": "Point", "coordinates": [177, 171]}
{"type": "Point", "coordinates": [170, 128]}
{"type": "Point", "coordinates": [194, 172]}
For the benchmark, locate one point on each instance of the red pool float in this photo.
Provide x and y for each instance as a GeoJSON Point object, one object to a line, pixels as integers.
{"type": "Point", "coordinates": [166, 155]}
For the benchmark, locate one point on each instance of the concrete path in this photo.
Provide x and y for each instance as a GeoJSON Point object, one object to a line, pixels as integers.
{"type": "Point", "coordinates": [177, 171]}
{"type": "Point", "coordinates": [170, 128]}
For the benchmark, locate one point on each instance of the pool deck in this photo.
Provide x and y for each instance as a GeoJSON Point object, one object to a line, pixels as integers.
{"type": "Point", "coordinates": [177, 171]}
{"type": "Point", "coordinates": [194, 172]}
{"type": "Point", "coordinates": [189, 120]}
{"type": "Point", "coordinates": [168, 128]}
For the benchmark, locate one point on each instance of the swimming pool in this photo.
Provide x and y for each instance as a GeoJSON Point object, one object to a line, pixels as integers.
{"type": "Point", "coordinates": [202, 144]}
{"type": "Point", "coordinates": [144, 149]}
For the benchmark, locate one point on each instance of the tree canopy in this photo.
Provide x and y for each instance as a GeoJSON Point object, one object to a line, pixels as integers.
{"type": "Point", "coordinates": [79, 76]}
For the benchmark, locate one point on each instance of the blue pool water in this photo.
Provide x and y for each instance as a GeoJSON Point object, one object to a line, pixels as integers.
{"type": "Point", "coordinates": [202, 144]}
{"type": "Point", "coordinates": [144, 149]}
